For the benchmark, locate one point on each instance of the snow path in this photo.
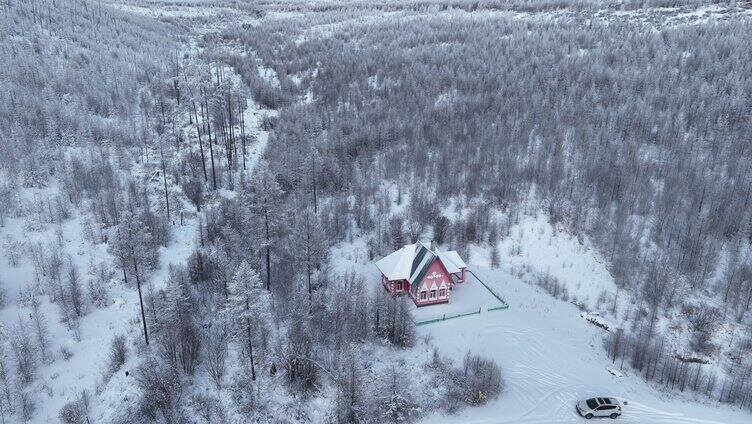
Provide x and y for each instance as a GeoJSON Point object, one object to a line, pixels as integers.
{"type": "Point", "coordinates": [550, 358]}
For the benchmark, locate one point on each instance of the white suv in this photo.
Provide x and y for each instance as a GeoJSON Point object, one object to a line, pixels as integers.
{"type": "Point", "coordinates": [599, 407]}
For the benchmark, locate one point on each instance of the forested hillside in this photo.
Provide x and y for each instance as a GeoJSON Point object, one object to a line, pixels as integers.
{"type": "Point", "coordinates": [633, 132]}
{"type": "Point", "coordinates": [192, 192]}
{"type": "Point", "coordinates": [73, 71]}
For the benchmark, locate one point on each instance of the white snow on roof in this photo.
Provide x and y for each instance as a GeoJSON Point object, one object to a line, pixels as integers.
{"type": "Point", "coordinates": [396, 266]}
{"type": "Point", "coordinates": [452, 261]}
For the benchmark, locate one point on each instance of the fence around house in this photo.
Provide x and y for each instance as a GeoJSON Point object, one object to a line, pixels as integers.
{"type": "Point", "coordinates": [504, 305]}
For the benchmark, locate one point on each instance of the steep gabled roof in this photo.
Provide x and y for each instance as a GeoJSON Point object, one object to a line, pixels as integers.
{"type": "Point", "coordinates": [411, 262]}
{"type": "Point", "coordinates": [397, 265]}
{"type": "Point", "coordinates": [422, 261]}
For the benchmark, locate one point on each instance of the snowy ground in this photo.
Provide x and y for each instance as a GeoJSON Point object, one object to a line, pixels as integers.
{"type": "Point", "coordinates": [551, 357]}
{"type": "Point", "coordinates": [62, 380]}
{"type": "Point", "coordinates": [536, 247]}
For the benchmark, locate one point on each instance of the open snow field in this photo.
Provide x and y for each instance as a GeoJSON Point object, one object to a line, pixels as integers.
{"type": "Point", "coordinates": [550, 358]}
{"type": "Point", "coordinates": [534, 246]}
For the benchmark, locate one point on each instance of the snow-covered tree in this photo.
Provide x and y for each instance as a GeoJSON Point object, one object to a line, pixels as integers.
{"type": "Point", "coordinates": [309, 248]}
{"type": "Point", "coordinates": [247, 310]}
{"type": "Point", "coordinates": [266, 214]}
{"type": "Point", "coordinates": [396, 403]}
{"type": "Point", "coordinates": [6, 388]}
{"type": "Point", "coordinates": [130, 249]}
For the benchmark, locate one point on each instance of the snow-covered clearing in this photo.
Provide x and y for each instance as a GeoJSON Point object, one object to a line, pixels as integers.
{"type": "Point", "coordinates": [551, 357]}
{"type": "Point", "coordinates": [535, 248]}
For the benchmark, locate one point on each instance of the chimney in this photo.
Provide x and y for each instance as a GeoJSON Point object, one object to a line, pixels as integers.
{"type": "Point", "coordinates": [433, 245]}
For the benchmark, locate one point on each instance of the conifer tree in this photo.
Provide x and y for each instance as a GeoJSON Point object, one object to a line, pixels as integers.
{"type": "Point", "coordinates": [247, 309]}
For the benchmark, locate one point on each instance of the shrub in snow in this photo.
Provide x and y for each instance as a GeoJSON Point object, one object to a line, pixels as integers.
{"type": "Point", "coordinates": [396, 402]}
{"type": "Point", "coordinates": [207, 407]}
{"type": "Point", "coordinates": [24, 354]}
{"type": "Point", "coordinates": [13, 251]}
{"type": "Point", "coordinates": [194, 191]}
{"type": "Point", "coordinates": [552, 285]}
{"type": "Point", "coordinates": [242, 392]}
{"type": "Point", "coordinates": [118, 354]}
{"type": "Point", "coordinates": [26, 404]}
{"type": "Point", "coordinates": [65, 353]}
{"type": "Point", "coordinates": [75, 412]}
{"type": "Point", "coordinates": [495, 260]}
{"type": "Point", "coordinates": [2, 295]}
{"type": "Point", "coordinates": [216, 353]}
{"type": "Point", "coordinates": [97, 292]}
{"type": "Point", "coordinates": [481, 379]}
{"type": "Point", "coordinates": [100, 275]}
{"type": "Point", "coordinates": [161, 391]}
{"type": "Point", "coordinates": [71, 413]}
{"type": "Point", "coordinates": [478, 381]}
{"type": "Point", "coordinates": [703, 322]}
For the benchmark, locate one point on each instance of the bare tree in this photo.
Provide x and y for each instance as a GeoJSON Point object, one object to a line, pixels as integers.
{"type": "Point", "coordinates": [216, 354]}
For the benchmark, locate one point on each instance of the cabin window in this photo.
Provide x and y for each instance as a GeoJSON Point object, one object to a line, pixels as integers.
{"type": "Point", "coordinates": [422, 295]}
{"type": "Point", "coordinates": [433, 294]}
{"type": "Point", "coordinates": [442, 293]}
{"type": "Point", "coordinates": [399, 285]}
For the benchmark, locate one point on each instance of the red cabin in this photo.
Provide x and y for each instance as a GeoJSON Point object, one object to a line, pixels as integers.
{"type": "Point", "coordinates": [426, 275]}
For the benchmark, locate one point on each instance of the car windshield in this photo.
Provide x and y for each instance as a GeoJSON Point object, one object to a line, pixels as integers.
{"type": "Point", "coordinates": [591, 403]}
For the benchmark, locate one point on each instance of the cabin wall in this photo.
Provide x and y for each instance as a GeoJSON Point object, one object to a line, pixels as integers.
{"type": "Point", "coordinates": [435, 286]}
{"type": "Point", "coordinates": [394, 287]}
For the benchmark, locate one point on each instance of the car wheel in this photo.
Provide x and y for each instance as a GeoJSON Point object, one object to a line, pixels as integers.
{"type": "Point", "coordinates": [589, 416]}
{"type": "Point", "coordinates": [614, 416]}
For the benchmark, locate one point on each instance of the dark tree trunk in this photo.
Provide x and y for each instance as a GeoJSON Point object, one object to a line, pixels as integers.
{"type": "Point", "coordinates": [268, 252]}
{"type": "Point", "coordinates": [140, 296]}
{"type": "Point", "coordinates": [164, 178]}
{"type": "Point", "coordinates": [211, 149]}
{"type": "Point", "coordinates": [200, 144]}
{"type": "Point", "coordinates": [250, 342]}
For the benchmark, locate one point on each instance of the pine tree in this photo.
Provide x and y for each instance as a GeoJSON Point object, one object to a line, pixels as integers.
{"type": "Point", "coordinates": [264, 202]}
{"type": "Point", "coordinates": [6, 390]}
{"type": "Point", "coordinates": [396, 404]}
{"type": "Point", "coordinates": [309, 247]}
{"type": "Point", "coordinates": [247, 309]}
{"type": "Point", "coordinates": [129, 247]}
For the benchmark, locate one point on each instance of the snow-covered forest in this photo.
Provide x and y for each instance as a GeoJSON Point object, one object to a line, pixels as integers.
{"type": "Point", "coordinates": [193, 193]}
